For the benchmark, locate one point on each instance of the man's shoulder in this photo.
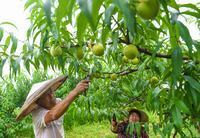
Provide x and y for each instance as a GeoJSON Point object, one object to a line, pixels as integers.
{"type": "Point", "coordinates": [40, 110]}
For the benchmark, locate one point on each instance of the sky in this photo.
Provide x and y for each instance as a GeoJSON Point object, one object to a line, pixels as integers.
{"type": "Point", "coordinates": [13, 11]}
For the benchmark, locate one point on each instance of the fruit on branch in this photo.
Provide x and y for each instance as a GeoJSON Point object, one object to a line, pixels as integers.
{"type": "Point", "coordinates": [79, 53]}
{"type": "Point", "coordinates": [154, 80]}
{"type": "Point", "coordinates": [97, 75]}
{"type": "Point", "coordinates": [113, 76]}
{"type": "Point", "coordinates": [130, 51]}
{"type": "Point", "coordinates": [147, 9]}
{"type": "Point", "coordinates": [56, 51]}
{"type": "Point", "coordinates": [125, 59]}
{"type": "Point", "coordinates": [135, 61]}
{"type": "Point", "coordinates": [98, 50]}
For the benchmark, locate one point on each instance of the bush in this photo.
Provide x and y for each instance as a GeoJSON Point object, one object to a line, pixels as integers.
{"type": "Point", "coordinates": [12, 96]}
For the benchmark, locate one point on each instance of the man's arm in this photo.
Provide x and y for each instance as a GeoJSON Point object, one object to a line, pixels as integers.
{"type": "Point", "coordinates": [59, 109]}
{"type": "Point", "coordinates": [114, 126]}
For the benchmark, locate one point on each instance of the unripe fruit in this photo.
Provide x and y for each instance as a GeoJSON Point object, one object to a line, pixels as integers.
{"type": "Point", "coordinates": [125, 59]}
{"type": "Point", "coordinates": [113, 76]}
{"type": "Point", "coordinates": [135, 61]}
{"type": "Point", "coordinates": [148, 9]}
{"type": "Point", "coordinates": [154, 80]}
{"type": "Point", "coordinates": [56, 51]}
{"type": "Point", "coordinates": [98, 50]}
{"type": "Point", "coordinates": [97, 75]}
{"type": "Point", "coordinates": [130, 51]}
{"type": "Point", "coordinates": [79, 53]}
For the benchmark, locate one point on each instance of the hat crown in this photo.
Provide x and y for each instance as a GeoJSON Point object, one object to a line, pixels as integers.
{"type": "Point", "coordinates": [35, 87]}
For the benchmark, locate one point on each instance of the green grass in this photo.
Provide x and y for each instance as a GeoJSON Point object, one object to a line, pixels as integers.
{"type": "Point", "coordinates": [102, 130]}
{"type": "Point", "coordinates": [94, 130]}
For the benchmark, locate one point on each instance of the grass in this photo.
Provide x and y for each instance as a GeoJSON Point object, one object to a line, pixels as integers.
{"type": "Point", "coordinates": [97, 130]}
{"type": "Point", "coordinates": [102, 130]}
{"type": "Point", "coordinates": [94, 130]}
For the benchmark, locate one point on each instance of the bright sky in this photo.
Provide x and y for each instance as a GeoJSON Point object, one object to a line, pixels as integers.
{"type": "Point", "coordinates": [13, 11]}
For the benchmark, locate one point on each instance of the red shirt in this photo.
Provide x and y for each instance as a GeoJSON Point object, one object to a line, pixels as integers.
{"type": "Point", "coordinates": [122, 131]}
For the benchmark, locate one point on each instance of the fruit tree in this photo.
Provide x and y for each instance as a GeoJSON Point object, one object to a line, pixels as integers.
{"type": "Point", "coordinates": [143, 49]}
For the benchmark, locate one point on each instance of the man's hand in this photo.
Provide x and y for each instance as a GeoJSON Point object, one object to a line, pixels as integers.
{"type": "Point", "coordinates": [114, 126]}
{"type": "Point", "coordinates": [113, 123]}
{"type": "Point", "coordinates": [82, 86]}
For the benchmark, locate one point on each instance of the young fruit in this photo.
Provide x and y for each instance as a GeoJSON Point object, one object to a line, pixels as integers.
{"type": "Point", "coordinates": [56, 51]}
{"type": "Point", "coordinates": [79, 53]}
{"type": "Point", "coordinates": [148, 9]}
{"type": "Point", "coordinates": [113, 76]}
{"type": "Point", "coordinates": [98, 50]}
{"type": "Point", "coordinates": [130, 51]}
{"type": "Point", "coordinates": [154, 80]}
{"type": "Point", "coordinates": [125, 59]}
{"type": "Point", "coordinates": [135, 61]}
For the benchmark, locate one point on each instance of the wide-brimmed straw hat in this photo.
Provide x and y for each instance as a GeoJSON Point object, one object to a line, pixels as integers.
{"type": "Point", "coordinates": [143, 118]}
{"type": "Point", "coordinates": [36, 92]}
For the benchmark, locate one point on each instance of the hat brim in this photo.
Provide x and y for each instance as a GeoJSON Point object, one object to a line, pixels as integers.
{"type": "Point", "coordinates": [144, 116]}
{"type": "Point", "coordinates": [29, 105]}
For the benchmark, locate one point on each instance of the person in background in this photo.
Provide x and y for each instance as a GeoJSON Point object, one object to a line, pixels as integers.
{"type": "Point", "coordinates": [134, 116]}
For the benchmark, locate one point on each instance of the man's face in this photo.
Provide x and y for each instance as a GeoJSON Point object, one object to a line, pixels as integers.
{"type": "Point", "coordinates": [134, 117]}
{"type": "Point", "coordinates": [47, 100]}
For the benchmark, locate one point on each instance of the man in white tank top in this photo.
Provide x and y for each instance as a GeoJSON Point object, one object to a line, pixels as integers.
{"type": "Point", "coordinates": [47, 110]}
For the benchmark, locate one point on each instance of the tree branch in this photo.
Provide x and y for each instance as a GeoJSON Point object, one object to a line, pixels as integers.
{"type": "Point", "coordinates": [147, 52]}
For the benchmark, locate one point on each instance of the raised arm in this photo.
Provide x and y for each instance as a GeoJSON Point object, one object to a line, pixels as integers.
{"type": "Point", "coordinates": [59, 109]}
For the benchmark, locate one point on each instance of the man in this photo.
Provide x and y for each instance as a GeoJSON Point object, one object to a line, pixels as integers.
{"type": "Point", "coordinates": [47, 110]}
{"type": "Point", "coordinates": [121, 128]}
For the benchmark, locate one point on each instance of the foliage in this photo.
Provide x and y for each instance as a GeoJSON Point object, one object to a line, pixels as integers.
{"type": "Point", "coordinates": [12, 95]}
{"type": "Point", "coordinates": [166, 51]}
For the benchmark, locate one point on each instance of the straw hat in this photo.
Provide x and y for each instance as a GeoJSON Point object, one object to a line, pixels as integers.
{"type": "Point", "coordinates": [144, 117]}
{"type": "Point", "coordinates": [36, 92]}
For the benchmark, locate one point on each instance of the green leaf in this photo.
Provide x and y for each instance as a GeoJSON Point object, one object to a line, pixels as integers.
{"type": "Point", "coordinates": [86, 8]}
{"type": "Point", "coordinates": [14, 43]}
{"type": "Point", "coordinates": [60, 12]}
{"type": "Point", "coordinates": [15, 65]}
{"type": "Point", "coordinates": [185, 35]}
{"type": "Point", "coordinates": [193, 83]}
{"type": "Point", "coordinates": [27, 65]}
{"type": "Point", "coordinates": [156, 92]}
{"type": "Point", "coordinates": [2, 62]}
{"type": "Point", "coordinates": [108, 14]}
{"type": "Point", "coordinates": [29, 3]}
{"type": "Point", "coordinates": [1, 34]}
{"type": "Point", "coordinates": [8, 23]}
{"type": "Point", "coordinates": [104, 35]}
{"type": "Point", "coordinates": [7, 43]}
{"type": "Point", "coordinates": [129, 15]}
{"type": "Point", "coordinates": [90, 8]}
{"type": "Point", "coordinates": [176, 115]}
{"type": "Point", "coordinates": [192, 6]}
{"type": "Point", "coordinates": [81, 27]}
{"type": "Point", "coordinates": [182, 106]}
{"type": "Point", "coordinates": [36, 35]}
{"type": "Point", "coordinates": [195, 14]}
{"type": "Point", "coordinates": [28, 32]}
{"type": "Point", "coordinates": [173, 4]}
{"type": "Point", "coordinates": [47, 11]}
{"type": "Point", "coordinates": [177, 62]}
{"type": "Point", "coordinates": [95, 10]}
{"type": "Point", "coordinates": [194, 96]}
